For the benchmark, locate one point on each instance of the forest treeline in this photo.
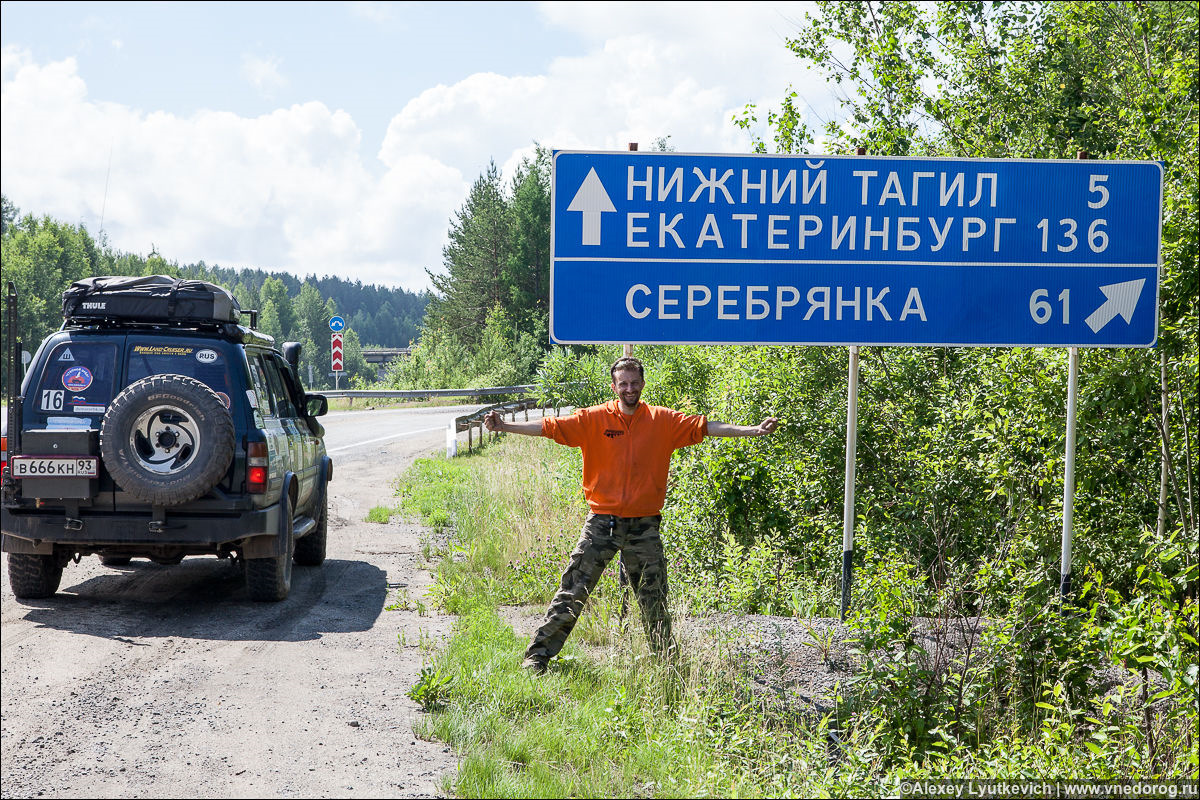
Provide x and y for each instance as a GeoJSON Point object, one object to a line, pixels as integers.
{"type": "Point", "coordinates": [43, 256]}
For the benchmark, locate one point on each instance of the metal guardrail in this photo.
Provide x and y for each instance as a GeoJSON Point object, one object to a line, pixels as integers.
{"type": "Point", "coordinates": [411, 394]}
{"type": "Point", "coordinates": [468, 422]}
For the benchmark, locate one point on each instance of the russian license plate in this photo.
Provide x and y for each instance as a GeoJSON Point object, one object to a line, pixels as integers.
{"type": "Point", "coordinates": [54, 467]}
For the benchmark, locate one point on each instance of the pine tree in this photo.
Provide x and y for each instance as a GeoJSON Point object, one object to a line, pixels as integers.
{"type": "Point", "coordinates": [475, 262]}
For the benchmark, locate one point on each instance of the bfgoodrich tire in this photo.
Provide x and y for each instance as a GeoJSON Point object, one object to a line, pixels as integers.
{"type": "Point", "coordinates": [34, 576]}
{"type": "Point", "coordinates": [167, 439]}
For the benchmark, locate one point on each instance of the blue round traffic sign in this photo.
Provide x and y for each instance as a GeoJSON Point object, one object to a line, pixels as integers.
{"type": "Point", "coordinates": [336, 324]}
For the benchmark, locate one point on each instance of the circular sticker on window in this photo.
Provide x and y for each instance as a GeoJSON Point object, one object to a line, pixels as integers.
{"type": "Point", "coordinates": [77, 379]}
{"type": "Point", "coordinates": [207, 356]}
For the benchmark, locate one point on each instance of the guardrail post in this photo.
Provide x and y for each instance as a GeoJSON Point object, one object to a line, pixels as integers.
{"type": "Point", "coordinates": [452, 439]}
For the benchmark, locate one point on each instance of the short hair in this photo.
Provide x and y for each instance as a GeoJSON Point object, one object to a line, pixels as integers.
{"type": "Point", "coordinates": [624, 364]}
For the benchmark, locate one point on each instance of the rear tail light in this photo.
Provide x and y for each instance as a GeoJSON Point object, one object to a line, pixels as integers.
{"type": "Point", "coordinates": [258, 467]}
{"type": "Point", "coordinates": [3, 455]}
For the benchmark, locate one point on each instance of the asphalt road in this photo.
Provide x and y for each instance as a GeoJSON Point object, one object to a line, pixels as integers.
{"type": "Point", "coordinates": [167, 681]}
{"type": "Point", "coordinates": [354, 435]}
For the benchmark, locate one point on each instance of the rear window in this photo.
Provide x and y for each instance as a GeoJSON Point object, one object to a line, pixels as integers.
{"type": "Point", "coordinates": [78, 380]}
{"type": "Point", "coordinates": [207, 364]}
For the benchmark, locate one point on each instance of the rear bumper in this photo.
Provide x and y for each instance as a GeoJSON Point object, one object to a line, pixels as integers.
{"type": "Point", "coordinates": [38, 531]}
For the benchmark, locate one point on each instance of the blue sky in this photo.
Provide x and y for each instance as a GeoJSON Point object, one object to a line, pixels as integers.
{"type": "Point", "coordinates": [340, 138]}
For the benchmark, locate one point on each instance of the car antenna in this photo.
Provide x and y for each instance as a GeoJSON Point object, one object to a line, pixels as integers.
{"type": "Point", "coordinates": [104, 201]}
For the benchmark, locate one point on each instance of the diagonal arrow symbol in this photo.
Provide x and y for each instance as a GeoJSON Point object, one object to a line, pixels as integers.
{"type": "Point", "coordinates": [593, 201]}
{"type": "Point", "coordinates": [1121, 298]}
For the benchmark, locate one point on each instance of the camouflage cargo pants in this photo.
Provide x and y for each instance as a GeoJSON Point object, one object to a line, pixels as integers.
{"type": "Point", "coordinates": [637, 539]}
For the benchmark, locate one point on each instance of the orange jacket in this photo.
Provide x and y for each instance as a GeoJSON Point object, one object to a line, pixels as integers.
{"type": "Point", "coordinates": [625, 457]}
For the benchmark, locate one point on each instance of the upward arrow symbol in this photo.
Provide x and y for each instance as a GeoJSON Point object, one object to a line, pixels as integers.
{"type": "Point", "coordinates": [593, 201]}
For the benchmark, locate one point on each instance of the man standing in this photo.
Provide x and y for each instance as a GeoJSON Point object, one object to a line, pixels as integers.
{"type": "Point", "coordinates": [627, 447]}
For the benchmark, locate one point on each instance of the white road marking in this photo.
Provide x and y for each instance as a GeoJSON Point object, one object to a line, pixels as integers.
{"type": "Point", "coordinates": [384, 439]}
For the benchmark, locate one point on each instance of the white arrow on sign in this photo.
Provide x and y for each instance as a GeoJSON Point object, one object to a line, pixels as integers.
{"type": "Point", "coordinates": [593, 201]}
{"type": "Point", "coordinates": [1122, 298]}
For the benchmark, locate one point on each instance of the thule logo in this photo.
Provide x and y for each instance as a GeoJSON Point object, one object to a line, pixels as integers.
{"type": "Point", "coordinates": [93, 306]}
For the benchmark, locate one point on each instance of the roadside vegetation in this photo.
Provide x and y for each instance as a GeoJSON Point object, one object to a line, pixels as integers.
{"type": "Point", "coordinates": [1104, 689]}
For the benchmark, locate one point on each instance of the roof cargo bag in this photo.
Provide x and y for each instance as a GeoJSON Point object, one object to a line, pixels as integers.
{"type": "Point", "coordinates": [153, 298]}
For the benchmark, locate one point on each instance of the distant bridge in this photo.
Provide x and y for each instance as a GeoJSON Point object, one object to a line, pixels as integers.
{"type": "Point", "coordinates": [382, 356]}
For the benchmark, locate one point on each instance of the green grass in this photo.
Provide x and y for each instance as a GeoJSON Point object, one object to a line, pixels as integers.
{"type": "Point", "coordinates": [430, 489]}
{"type": "Point", "coordinates": [624, 726]}
{"type": "Point", "coordinates": [380, 514]}
{"type": "Point", "coordinates": [609, 720]}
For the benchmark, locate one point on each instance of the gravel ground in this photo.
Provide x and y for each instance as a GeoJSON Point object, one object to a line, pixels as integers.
{"type": "Point", "coordinates": [153, 681]}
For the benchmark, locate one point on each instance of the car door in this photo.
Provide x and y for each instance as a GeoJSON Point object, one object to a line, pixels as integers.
{"type": "Point", "coordinates": [294, 427]}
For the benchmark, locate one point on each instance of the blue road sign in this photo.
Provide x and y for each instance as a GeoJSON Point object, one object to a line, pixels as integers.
{"type": "Point", "coordinates": [336, 324]}
{"type": "Point", "coordinates": [676, 248]}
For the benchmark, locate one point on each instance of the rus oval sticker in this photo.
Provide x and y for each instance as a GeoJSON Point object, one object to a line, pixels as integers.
{"type": "Point", "coordinates": [207, 356]}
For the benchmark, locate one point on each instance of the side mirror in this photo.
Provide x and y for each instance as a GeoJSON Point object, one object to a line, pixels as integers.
{"type": "Point", "coordinates": [316, 405]}
{"type": "Point", "coordinates": [291, 353]}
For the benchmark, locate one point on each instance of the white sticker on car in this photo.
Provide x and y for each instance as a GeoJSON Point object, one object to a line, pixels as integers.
{"type": "Point", "coordinates": [52, 399]}
{"type": "Point", "coordinates": [66, 355]}
{"type": "Point", "coordinates": [88, 409]}
{"type": "Point", "coordinates": [207, 356]}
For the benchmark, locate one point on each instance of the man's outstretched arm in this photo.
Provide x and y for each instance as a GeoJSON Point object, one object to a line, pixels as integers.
{"type": "Point", "coordinates": [494, 421]}
{"type": "Point", "coordinates": [725, 429]}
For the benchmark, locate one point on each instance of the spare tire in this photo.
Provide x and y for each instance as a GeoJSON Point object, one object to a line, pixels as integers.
{"type": "Point", "coordinates": [167, 439]}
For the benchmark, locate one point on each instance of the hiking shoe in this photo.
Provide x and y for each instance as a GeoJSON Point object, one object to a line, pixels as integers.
{"type": "Point", "coordinates": [535, 666]}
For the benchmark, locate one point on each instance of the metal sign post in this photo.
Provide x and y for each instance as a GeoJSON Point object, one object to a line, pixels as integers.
{"type": "Point", "coordinates": [851, 461]}
{"type": "Point", "coordinates": [1069, 471]}
{"type": "Point", "coordinates": [1068, 522]}
{"type": "Point", "coordinates": [848, 517]}
{"type": "Point", "coordinates": [335, 357]}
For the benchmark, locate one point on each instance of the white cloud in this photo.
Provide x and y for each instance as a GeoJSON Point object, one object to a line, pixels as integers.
{"type": "Point", "coordinates": [296, 188]}
{"type": "Point", "coordinates": [652, 70]}
{"type": "Point", "coordinates": [286, 190]}
{"type": "Point", "coordinates": [263, 74]}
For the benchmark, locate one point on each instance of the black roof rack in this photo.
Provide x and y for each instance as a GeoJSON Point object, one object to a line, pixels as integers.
{"type": "Point", "coordinates": [230, 330]}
